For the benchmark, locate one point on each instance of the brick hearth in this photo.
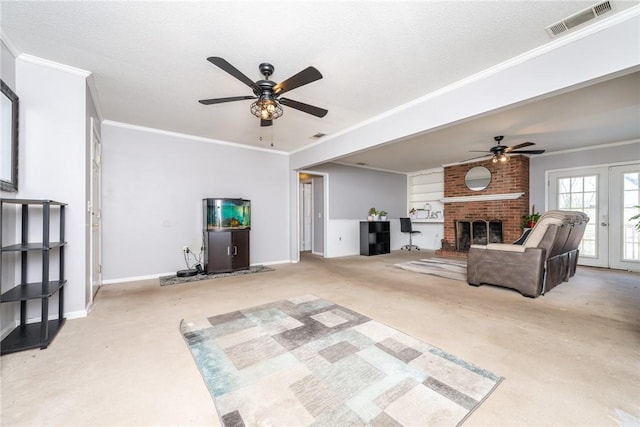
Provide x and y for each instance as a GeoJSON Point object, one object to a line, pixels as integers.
{"type": "Point", "coordinates": [509, 177]}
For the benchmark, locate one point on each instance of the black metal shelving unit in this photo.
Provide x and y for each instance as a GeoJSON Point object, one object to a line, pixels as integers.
{"type": "Point", "coordinates": [38, 334]}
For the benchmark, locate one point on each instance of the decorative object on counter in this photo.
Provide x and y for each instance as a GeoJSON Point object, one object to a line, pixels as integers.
{"type": "Point", "coordinates": [308, 361]}
{"type": "Point", "coordinates": [175, 280]}
{"type": "Point", "coordinates": [422, 214]}
{"type": "Point", "coordinates": [373, 215]}
{"type": "Point", "coordinates": [412, 213]}
{"type": "Point", "coordinates": [383, 215]}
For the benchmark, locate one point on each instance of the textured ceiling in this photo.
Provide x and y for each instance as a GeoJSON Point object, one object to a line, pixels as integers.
{"type": "Point", "coordinates": [149, 66]}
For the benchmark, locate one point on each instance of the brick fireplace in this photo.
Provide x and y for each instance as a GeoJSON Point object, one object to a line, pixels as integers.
{"type": "Point", "coordinates": [501, 200]}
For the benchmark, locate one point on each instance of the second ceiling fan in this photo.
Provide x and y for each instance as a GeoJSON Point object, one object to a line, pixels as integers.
{"type": "Point", "coordinates": [268, 106]}
{"type": "Point", "coordinates": [500, 152]}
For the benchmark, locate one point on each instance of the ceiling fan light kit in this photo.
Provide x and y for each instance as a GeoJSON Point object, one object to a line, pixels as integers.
{"type": "Point", "coordinates": [266, 108]}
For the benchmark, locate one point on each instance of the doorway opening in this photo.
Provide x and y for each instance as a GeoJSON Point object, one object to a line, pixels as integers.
{"type": "Point", "coordinates": [311, 213]}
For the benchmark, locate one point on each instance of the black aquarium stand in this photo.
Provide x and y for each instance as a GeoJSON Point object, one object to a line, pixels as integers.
{"type": "Point", "coordinates": [38, 334]}
{"type": "Point", "coordinates": [375, 237]}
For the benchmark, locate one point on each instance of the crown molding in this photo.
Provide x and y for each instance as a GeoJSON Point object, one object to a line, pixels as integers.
{"type": "Point", "coordinates": [54, 65]}
{"type": "Point", "coordinates": [192, 137]}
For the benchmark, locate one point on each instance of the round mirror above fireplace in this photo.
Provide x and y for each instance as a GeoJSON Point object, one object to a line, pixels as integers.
{"type": "Point", "coordinates": [477, 178]}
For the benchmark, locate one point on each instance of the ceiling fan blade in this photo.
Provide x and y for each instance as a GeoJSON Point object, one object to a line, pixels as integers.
{"type": "Point", "coordinates": [528, 152]}
{"type": "Point", "coordinates": [221, 100]}
{"type": "Point", "coordinates": [515, 147]}
{"type": "Point", "coordinates": [310, 109]}
{"type": "Point", "coordinates": [479, 157]}
{"type": "Point", "coordinates": [480, 151]}
{"type": "Point", "coordinates": [264, 122]}
{"type": "Point", "coordinates": [225, 66]}
{"type": "Point", "coordinates": [306, 76]}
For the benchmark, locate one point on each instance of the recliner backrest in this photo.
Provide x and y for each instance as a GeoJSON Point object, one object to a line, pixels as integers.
{"type": "Point", "coordinates": [538, 231]}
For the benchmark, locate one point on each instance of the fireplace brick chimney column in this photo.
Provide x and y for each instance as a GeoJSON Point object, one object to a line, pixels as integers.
{"type": "Point", "coordinates": [506, 178]}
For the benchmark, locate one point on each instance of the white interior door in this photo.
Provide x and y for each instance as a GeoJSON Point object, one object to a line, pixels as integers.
{"type": "Point", "coordinates": [306, 216]}
{"type": "Point", "coordinates": [95, 210]}
{"type": "Point", "coordinates": [609, 196]}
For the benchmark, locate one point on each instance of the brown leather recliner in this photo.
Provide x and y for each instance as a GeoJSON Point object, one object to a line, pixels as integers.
{"type": "Point", "coordinates": [547, 257]}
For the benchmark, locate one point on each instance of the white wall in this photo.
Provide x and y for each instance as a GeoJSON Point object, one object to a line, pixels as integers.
{"type": "Point", "coordinates": [52, 164]}
{"type": "Point", "coordinates": [153, 186]}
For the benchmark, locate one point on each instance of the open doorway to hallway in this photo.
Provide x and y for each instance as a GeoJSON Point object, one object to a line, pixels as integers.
{"type": "Point", "coordinates": [311, 213]}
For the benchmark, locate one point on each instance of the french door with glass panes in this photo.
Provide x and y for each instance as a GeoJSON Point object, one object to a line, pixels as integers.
{"type": "Point", "coordinates": [609, 196]}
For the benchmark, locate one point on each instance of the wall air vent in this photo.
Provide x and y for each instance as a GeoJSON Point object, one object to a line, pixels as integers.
{"type": "Point", "coordinates": [580, 18]}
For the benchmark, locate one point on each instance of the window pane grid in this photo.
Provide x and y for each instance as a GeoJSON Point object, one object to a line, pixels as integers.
{"type": "Point", "coordinates": [581, 194]}
{"type": "Point", "coordinates": [631, 236]}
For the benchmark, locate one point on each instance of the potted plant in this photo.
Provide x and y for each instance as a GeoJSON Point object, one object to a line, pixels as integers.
{"type": "Point", "coordinates": [383, 215]}
{"type": "Point", "coordinates": [373, 213]}
{"type": "Point", "coordinates": [529, 221]}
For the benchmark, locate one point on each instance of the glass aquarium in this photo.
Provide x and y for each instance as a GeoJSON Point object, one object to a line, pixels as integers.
{"type": "Point", "coordinates": [226, 214]}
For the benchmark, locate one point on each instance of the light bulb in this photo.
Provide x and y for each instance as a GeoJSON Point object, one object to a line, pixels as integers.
{"type": "Point", "coordinates": [495, 159]}
{"type": "Point", "coordinates": [271, 108]}
{"type": "Point", "coordinates": [265, 114]}
{"type": "Point", "coordinates": [503, 158]}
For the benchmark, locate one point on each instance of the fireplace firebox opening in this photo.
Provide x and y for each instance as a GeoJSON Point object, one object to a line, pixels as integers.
{"type": "Point", "coordinates": [477, 232]}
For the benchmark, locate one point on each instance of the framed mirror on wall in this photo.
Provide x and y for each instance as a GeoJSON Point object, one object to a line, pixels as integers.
{"type": "Point", "coordinates": [477, 178]}
{"type": "Point", "coordinates": [8, 139]}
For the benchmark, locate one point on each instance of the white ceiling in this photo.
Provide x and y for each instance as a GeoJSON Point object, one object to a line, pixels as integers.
{"type": "Point", "coordinates": [149, 67]}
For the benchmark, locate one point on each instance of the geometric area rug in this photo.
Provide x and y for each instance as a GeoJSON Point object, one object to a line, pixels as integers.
{"type": "Point", "coordinates": [308, 361]}
{"type": "Point", "coordinates": [450, 269]}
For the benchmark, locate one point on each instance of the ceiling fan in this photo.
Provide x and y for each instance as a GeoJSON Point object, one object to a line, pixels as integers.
{"type": "Point", "coordinates": [500, 152]}
{"type": "Point", "coordinates": [268, 106]}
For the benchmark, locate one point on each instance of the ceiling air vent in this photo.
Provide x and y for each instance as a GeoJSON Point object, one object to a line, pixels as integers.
{"type": "Point", "coordinates": [318, 135]}
{"type": "Point", "coordinates": [580, 18]}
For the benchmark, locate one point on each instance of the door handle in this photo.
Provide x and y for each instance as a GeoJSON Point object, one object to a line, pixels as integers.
{"type": "Point", "coordinates": [604, 224]}
{"type": "Point", "coordinates": [235, 250]}
{"type": "Point", "coordinates": [228, 250]}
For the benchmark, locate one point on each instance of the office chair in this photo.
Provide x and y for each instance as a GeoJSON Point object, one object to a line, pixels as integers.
{"type": "Point", "coordinates": [405, 227]}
